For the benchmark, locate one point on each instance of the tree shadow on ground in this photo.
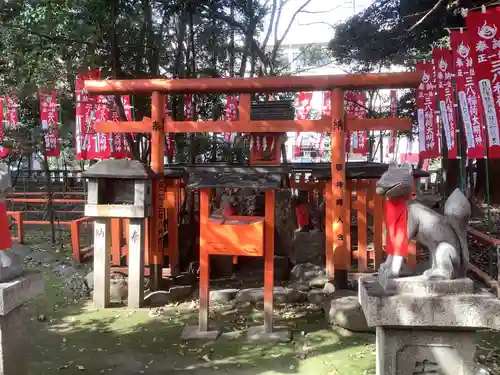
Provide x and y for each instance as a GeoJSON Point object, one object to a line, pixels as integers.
{"type": "Point", "coordinates": [79, 338]}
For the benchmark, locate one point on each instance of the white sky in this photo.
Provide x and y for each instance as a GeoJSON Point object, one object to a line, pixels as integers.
{"type": "Point", "coordinates": [314, 28]}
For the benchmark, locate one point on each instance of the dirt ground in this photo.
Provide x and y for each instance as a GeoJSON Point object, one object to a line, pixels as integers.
{"type": "Point", "coordinates": [69, 336]}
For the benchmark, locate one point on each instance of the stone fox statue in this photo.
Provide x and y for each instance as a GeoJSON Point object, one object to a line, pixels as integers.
{"type": "Point", "coordinates": [444, 236]}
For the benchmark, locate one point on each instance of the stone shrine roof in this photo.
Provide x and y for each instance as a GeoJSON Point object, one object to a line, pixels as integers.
{"type": "Point", "coordinates": [120, 169]}
{"type": "Point", "coordinates": [235, 177]}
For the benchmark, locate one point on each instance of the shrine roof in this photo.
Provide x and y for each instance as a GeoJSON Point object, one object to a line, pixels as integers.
{"type": "Point", "coordinates": [235, 177]}
{"type": "Point", "coordinates": [354, 170]}
{"type": "Point", "coordinates": [120, 169]}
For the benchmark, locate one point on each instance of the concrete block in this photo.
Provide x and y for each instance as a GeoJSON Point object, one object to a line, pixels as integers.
{"type": "Point", "coordinates": [14, 342]}
{"type": "Point", "coordinates": [424, 352]}
{"type": "Point", "coordinates": [278, 334]}
{"type": "Point", "coordinates": [194, 333]}
{"type": "Point", "coordinates": [136, 264]}
{"type": "Point", "coordinates": [16, 292]}
{"type": "Point", "coordinates": [102, 255]}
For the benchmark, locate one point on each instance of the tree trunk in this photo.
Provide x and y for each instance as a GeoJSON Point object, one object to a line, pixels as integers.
{"type": "Point", "coordinates": [48, 187]}
{"type": "Point", "coordinates": [494, 180]}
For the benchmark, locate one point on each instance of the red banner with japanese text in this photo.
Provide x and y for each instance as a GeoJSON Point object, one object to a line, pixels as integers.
{"type": "Point", "coordinates": [302, 110]}
{"type": "Point", "coordinates": [326, 112]}
{"type": "Point", "coordinates": [49, 118]}
{"type": "Point", "coordinates": [356, 108]}
{"type": "Point", "coordinates": [393, 100]}
{"type": "Point", "coordinates": [468, 94]}
{"type": "Point", "coordinates": [443, 65]}
{"type": "Point", "coordinates": [187, 107]}
{"type": "Point", "coordinates": [169, 138]}
{"type": "Point", "coordinates": [230, 114]}
{"type": "Point", "coordinates": [10, 118]}
{"type": "Point", "coordinates": [426, 106]}
{"type": "Point", "coordinates": [119, 147]}
{"type": "Point", "coordinates": [85, 137]}
{"type": "Point", "coordinates": [4, 151]}
{"type": "Point", "coordinates": [482, 28]}
{"type": "Point", "coordinates": [102, 141]}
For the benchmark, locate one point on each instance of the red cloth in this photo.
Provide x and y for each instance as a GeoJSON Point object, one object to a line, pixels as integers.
{"type": "Point", "coordinates": [5, 239]}
{"type": "Point", "coordinates": [396, 219]}
{"type": "Point", "coordinates": [228, 211]}
{"type": "Point", "coordinates": [302, 215]}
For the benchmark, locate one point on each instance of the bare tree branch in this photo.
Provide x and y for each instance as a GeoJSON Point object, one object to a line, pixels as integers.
{"type": "Point", "coordinates": [270, 29]}
{"type": "Point", "coordinates": [317, 23]}
{"type": "Point", "coordinates": [277, 20]}
{"type": "Point", "coordinates": [432, 10]}
{"type": "Point", "coordinates": [287, 30]}
{"type": "Point", "coordinates": [321, 11]}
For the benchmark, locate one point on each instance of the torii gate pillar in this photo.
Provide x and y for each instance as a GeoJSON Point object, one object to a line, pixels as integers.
{"type": "Point", "coordinates": [157, 225]}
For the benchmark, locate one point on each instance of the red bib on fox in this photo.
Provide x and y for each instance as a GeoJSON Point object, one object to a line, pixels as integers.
{"type": "Point", "coordinates": [396, 219]}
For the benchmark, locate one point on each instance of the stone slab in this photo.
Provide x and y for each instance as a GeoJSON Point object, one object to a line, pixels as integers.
{"type": "Point", "coordinates": [258, 334]}
{"type": "Point", "coordinates": [194, 333]}
{"type": "Point", "coordinates": [410, 352]}
{"type": "Point", "coordinates": [423, 286]}
{"type": "Point", "coordinates": [18, 291]}
{"type": "Point", "coordinates": [478, 310]}
{"type": "Point", "coordinates": [14, 343]}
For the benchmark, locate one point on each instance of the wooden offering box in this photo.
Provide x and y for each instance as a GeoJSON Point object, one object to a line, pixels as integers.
{"type": "Point", "coordinates": [239, 235]}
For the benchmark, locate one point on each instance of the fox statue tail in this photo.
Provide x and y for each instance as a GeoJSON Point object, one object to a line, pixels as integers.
{"type": "Point", "coordinates": [457, 210]}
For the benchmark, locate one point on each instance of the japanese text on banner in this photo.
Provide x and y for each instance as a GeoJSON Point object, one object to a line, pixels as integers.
{"type": "Point", "coordinates": [393, 99]}
{"type": "Point", "coordinates": [426, 106]}
{"type": "Point", "coordinates": [482, 29]}
{"type": "Point", "coordinates": [118, 143]}
{"type": "Point", "coordinates": [303, 108]}
{"type": "Point", "coordinates": [230, 114]}
{"type": "Point", "coordinates": [443, 64]}
{"type": "Point", "coordinates": [356, 108]}
{"type": "Point", "coordinates": [85, 117]}
{"type": "Point", "coordinates": [325, 112]}
{"type": "Point", "coordinates": [49, 118]}
{"type": "Point", "coordinates": [3, 150]}
{"type": "Point", "coordinates": [468, 94]}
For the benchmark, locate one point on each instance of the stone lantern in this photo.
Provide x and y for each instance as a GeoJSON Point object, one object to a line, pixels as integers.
{"type": "Point", "coordinates": [119, 189]}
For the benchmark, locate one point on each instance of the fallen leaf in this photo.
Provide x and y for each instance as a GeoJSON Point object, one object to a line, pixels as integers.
{"type": "Point", "coordinates": [206, 358]}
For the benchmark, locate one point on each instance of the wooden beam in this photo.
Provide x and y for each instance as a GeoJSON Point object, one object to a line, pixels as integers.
{"type": "Point", "coordinates": [144, 126]}
{"type": "Point", "coordinates": [283, 126]}
{"type": "Point", "coordinates": [258, 84]}
{"type": "Point", "coordinates": [357, 124]}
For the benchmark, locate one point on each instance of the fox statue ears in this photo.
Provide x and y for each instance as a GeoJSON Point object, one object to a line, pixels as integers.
{"type": "Point", "coordinates": [407, 166]}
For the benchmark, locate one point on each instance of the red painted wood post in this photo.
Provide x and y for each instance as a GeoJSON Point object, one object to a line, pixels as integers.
{"type": "Point", "coordinates": [269, 261]}
{"type": "Point", "coordinates": [338, 257]}
{"type": "Point", "coordinates": [361, 202]}
{"type": "Point", "coordinates": [116, 241]}
{"type": "Point", "coordinates": [156, 229]}
{"type": "Point", "coordinates": [204, 261]}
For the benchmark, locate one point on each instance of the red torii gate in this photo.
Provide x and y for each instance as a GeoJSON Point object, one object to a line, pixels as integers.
{"type": "Point", "coordinates": [337, 255]}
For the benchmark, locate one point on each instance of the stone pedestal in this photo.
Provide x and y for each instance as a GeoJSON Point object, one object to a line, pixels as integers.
{"type": "Point", "coordinates": [427, 327]}
{"type": "Point", "coordinates": [14, 340]}
{"type": "Point", "coordinates": [136, 264]}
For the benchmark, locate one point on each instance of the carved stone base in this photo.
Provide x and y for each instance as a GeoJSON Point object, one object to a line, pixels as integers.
{"type": "Point", "coordinates": [427, 326]}
{"type": "Point", "coordinates": [412, 352]}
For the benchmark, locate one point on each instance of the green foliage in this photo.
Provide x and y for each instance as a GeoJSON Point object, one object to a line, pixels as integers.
{"type": "Point", "coordinates": [395, 32]}
{"type": "Point", "coordinates": [45, 43]}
